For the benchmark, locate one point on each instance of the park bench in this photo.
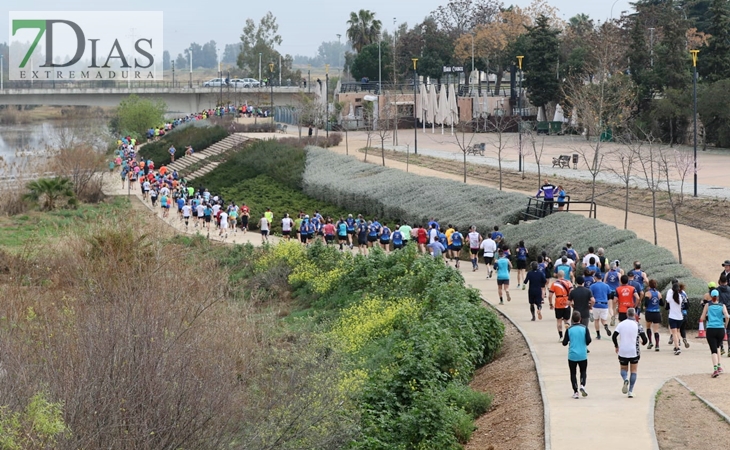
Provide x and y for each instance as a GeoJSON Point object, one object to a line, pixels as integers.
{"type": "Point", "coordinates": [562, 161]}
{"type": "Point", "coordinates": [476, 149]}
{"type": "Point", "coordinates": [281, 128]}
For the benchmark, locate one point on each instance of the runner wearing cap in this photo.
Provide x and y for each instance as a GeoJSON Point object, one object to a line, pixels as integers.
{"type": "Point", "coordinates": [716, 316]}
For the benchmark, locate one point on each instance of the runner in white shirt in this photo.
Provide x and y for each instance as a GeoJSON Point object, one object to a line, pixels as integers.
{"type": "Point", "coordinates": [626, 337]}
{"type": "Point", "coordinates": [475, 239]}
{"type": "Point", "coordinates": [489, 247]}
{"type": "Point", "coordinates": [223, 225]}
{"type": "Point", "coordinates": [216, 207]}
{"type": "Point", "coordinates": [200, 209]}
{"type": "Point", "coordinates": [588, 257]}
{"type": "Point", "coordinates": [286, 225]}
{"type": "Point", "coordinates": [186, 212]}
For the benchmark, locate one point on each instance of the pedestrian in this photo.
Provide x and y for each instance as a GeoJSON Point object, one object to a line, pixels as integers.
{"type": "Point", "coordinates": [626, 298]}
{"type": "Point", "coordinates": [716, 317]}
{"type": "Point", "coordinates": [626, 338]}
{"type": "Point", "coordinates": [726, 269]}
{"type": "Point", "coordinates": [613, 281]}
{"type": "Point", "coordinates": [600, 292]}
{"type": "Point", "coordinates": [362, 235]}
{"type": "Point", "coordinates": [475, 240]}
{"type": "Point", "coordinates": [653, 302]}
{"type": "Point", "coordinates": [581, 300]}
{"type": "Point", "coordinates": [560, 289]}
{"type": "Point", "coordinates": [489, 248]}
{"type": "Point", "coordinates": [287, 224]}
{"type": "Point", "coordinates": [503, 267]}
{"type": "Point", "coordinates": [578, 338]}
{"type": "Point", "coordinates": [548, 192]}
{"type": "Point", "coordinates": [264, 227]}
{"type": "Point", "coordinates": [521, 256]}
{"type": "Point", "coordinates": [676, 317]}
{"type": "Point", "coordinates": [535, 294]}
{"type": "Point", "coordinates": [437, 249]}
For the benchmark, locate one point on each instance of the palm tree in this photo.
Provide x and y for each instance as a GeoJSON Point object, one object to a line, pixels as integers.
{"type": "Point", "coordinates": [363, 29]}
{"type": "Point", "coordinates": [50, 190]}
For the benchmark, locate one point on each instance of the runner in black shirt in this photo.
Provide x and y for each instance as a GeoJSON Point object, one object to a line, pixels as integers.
{"type": "Point", "coordinates": [536, 293]}
{"type": "Point", "coordinates": [581, 299]}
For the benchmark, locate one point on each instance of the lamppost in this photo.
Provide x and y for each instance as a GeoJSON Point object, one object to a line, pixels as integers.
{"type": "Point", "coordinates": [415, 113]}
{"type": "Point", "coordinates": [260, 69]}
{"type": "Point", "coordinates": [191, 67]}
{"type": "Point", "coordinates": [271, 77]}
{"type": "Point", "coordinates": [327, 101]}
{"type": "Point", "coordinates": [519, 108]}
{"type": "Point", "coordinates": [339, 54]}
{"type": "Point", "coordinates": [1, 72]}
{"type": "Point", "coordinates": [694, 101]}
{"type": "Point", "coordinates": [173, 74]}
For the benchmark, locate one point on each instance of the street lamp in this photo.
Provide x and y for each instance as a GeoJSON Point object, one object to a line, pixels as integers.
{"type": "Point", "coordinates": [260, 68]}
{"type": "Point", "coordinates": [191, 67]}
{"type": "Point", "coordinates": [271, 77]}
{"type": "Point", "coordinates": [519, 108]}
{"type": "Point", "coordinates": [694, 96]}
{"type": "Point", "coordinates": [415, 114]}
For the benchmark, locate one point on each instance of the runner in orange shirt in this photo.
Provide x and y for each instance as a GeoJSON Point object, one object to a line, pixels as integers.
{"type": "Point", "coordinates": [626, 297]}
{"type": "Point", "coordinates": [560, 290]}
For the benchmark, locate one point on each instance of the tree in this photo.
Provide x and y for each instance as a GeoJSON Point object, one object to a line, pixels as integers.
{"type": "Point", "coordinates": [461, 16]}
{"type": "Point", "coordinates": [625, 157]}
{"type": "Point", "coordinates": [49, 191]}
{"type": "Point", "coordinates": [363, 29]}
{"type": "Point", "coordinates": [667, 163]}
{"type": "Point", "coordinates": [137, 115]}
{"type": "Point", "coordinates": [230, 53]}
{"type": "Point", "coordinates": [465, 140]}
{"type": "Point", "coordinates": [716, 59]}
{"type": "Point", "coordinates": [181, 62]}
{"type": "Point", "coordinates": [261, 40]}
{"type": "Point", "coordinates": [499, 125]}
{"type": "Point", "coordinates": [541, 59]}
{"type": "Point", "coordinates": [332, 53]}
{"type": "Point", "coordinates": [166, 60]}
{"type": "Point", "coordinates": [435, 48]}
{"type": "Point", "coordinates": [649, 161]}
{"type": "Point", "coordinates": [532, 137]}
{"type": "Point", "coordinates": [386, 118]}
{"type": "Point", "coordinates": [209, 55]}
{"type": "Point", "coordinates": [712, 101]}
{"type": "Point", "coordinates": [365, 63]}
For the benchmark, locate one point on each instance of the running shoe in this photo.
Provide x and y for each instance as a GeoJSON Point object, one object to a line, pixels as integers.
{"type": "Point", "coordinates": [722, 351]}
{"type": "Point", "coordinates": [613, 321]}
{"type": "Point", "coordinates": [583, 391]}
{"type": "Point", "coordinates": [677, 351]}
{"type": "Point", "coordinates": [719, 369]}
{"type": "Point", "coordinates": [670, 340]}
{"type": "Point", "coordinates": [501, 302]}
{"type": "Point", "coordinates": [539, 314]}
{"type": "Point", "coordinates": [715, 374]}
{"type": "Point", "coordinates": [533, 319]}
{"type": "Point", "coordinates": [656, 349]}
{"type": "Point", "coordinates": [650, 346]}
{"type": "Point", "coordinates": [631, 394]}
{"type": "Point", "coordinates": [625, 388]}
{"type": "Point", "coordinates": [608, 332]}
{"type": "Point", "coordinates": [575, 395]}
{"type": "Point", "coordinates": [509, 299]}
{"type": "Point", "coordinates": [686, 344]}
{"type": "Point", "coordinates": [598, 337]}
{"type": "Point", "coordinates": [524, 286]}
{"type": "Point", "coordinates": [590, 316]}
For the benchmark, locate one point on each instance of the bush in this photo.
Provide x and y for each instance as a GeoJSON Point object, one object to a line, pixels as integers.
{"type": "Point", "coordinates": [411, 335]}
{"type": "Point", "coordinates": [199, 138]}
{"type": "Point", "coordinates": [382, 192]}
{"type": "Point", "coordinates": [305, 141]}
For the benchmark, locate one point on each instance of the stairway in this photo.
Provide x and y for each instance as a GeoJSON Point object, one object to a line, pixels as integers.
{"type": "Point", "coordinates": [215, 149]}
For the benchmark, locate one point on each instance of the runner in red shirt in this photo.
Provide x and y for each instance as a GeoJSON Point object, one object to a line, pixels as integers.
{"type": "Point", "coordinates": [626, 297]}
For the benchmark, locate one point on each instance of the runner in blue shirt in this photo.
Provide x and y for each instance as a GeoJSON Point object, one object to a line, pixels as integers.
{"type": "Point", "coordinates": [316, 222]}
{"type": "Point", "coordinates": [652, 313]}
{"type": "Point", "coordinates": [385, 238]}
{"type": "Point", "coordinates": [304, 230]}
{"type": "Point", "coordinates": [397, 238]}
{"type": "Point", "coordinates": [613, 280]}
{"type": "Point", "coordinates": [351, 226]}
{"type": "Point", "coordinates": [503, 267]}
{"type": "Point", "coordinates": [373, 232]}
{"type": "Point", "coordinates": [600, 292]}
{"type": "Point", "coordinates": [521, 255]}
{"type": "Point", "coordinates": [457, 242]}
{"type": "Point", "coordinates": [579, 338]}
{"type": "Point", "coordinates": [342, 232]}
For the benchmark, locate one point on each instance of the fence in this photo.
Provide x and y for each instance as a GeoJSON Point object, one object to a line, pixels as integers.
{"type": "Point", "coordinates": [537, 208]}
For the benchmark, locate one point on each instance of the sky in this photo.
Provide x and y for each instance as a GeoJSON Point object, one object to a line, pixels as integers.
{"type": "Point", "coordinates": [303, 25]}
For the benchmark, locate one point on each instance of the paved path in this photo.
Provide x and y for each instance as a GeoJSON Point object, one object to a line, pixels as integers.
{"type": "Point", "coordinates": [599, 421]}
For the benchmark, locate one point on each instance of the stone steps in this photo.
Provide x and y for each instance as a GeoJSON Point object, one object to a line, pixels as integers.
{"type": "Point", "coordinates": [215, 149]}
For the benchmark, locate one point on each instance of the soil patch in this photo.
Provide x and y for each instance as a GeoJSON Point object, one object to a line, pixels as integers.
{"type": "Point", "coordinates": [515, 420]}
{"type": "Point", "coordinates": [682, 421]}
{"type": "Point", "coordinates": [706, 214]}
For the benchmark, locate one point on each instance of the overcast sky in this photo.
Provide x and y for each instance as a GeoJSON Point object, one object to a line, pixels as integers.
{"type": "Point", "coordinates": [303, 25]}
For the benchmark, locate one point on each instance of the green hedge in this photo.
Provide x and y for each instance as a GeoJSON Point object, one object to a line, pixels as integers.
{"type": "Point", "coordinates": [199, 138]}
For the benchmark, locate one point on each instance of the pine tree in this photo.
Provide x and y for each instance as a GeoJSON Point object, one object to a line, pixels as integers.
{"type": "Point", "coordinates": [541, 59]}
{"type": "Point", "coordinates": [714, 63]}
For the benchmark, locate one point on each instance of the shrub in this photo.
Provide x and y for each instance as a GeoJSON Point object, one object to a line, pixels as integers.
{"type": "Point", "coordinates": [383, 192]}
{"type": "Point", "coordinates": [333, 141]}
{"type": "Point", "coordinates": [199, 138]}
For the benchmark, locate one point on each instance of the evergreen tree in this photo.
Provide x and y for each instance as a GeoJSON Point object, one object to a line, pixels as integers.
{"type": "Point", "coordinates": [715, 61]}
{"type": "Point", "coordinates": [672, 59]}
{"type": "Point", "coordinates": [541, 60]}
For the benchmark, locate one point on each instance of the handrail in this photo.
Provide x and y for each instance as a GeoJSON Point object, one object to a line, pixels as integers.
{"type": "Point", "coordinates": [538, 208]}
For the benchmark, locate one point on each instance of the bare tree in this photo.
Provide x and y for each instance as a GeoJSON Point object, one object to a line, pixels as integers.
{"type": "Point", "coordinates": [464, 138]}
{"type": "Point", "coordinates": [532, 137]}
{"type": "Point", "coordinates": [649, 160]}
{"type": "Point", "coordinates": [667, 163]}
{"type": "Point", "coordinates": [384, 123]}
{"type": "Point", "coordinates": [626, 157]}
{"type": "Point", "coordinates": [368, 116]}
{"type": "Point", "coordinates": [684, 163]}
{"type": "Point", "coordinates": [499, 125]}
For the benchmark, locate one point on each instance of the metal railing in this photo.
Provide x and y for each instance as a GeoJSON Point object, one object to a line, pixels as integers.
{"type": "Point", "coordinates": [123, 84]}
{"type": "Point", "coordinates": [538, 208]}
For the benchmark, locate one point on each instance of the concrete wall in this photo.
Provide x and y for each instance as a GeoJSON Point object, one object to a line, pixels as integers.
{"type": "Point", "coordinates": [178, 100]}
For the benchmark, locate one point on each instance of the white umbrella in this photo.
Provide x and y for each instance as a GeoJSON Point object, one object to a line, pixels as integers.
{"type": "Point", "coordinates": [418, 106]}
{"type": "Point", "coordinates": [453, 106]}
{"type": "Point", "coordinates": [541, 114]}
{"type": "Point", "coordinates": [559, 115]}
{"type": "Point", "coordinates": [423, 109]}
{"type": "Point", "coordinates": [433, 106]}
{"type": "Point", "coordinates": [443, 109]}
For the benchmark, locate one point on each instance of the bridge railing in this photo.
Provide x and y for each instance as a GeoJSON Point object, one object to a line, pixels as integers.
{"type": "Point", "coordinates": [123, 84]}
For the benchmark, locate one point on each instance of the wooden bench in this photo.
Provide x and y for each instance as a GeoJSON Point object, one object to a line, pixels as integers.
{"type": "Point", "coordinates": [476, 149]}
{"type": "Point", "coordinates": [281, 128]}
{"type": "Point", "coordinates": [562, 161]}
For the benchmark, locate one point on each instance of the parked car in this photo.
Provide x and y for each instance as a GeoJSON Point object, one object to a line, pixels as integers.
{"type": "Point", "coordinates": [251, 82]}
{"type": "Point", "coordinates": [215, 82]}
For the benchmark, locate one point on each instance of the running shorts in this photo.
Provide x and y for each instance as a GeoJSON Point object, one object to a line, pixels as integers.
{"type": "Point", "coordinates": [521, 264]}
{"type": "Point", "coordinates": [562, 313]}
{"type": "Point", "coordinates": [674, 323]}
{"type": "Point", "coordinates": [329, 238]}
{"type": "Point", "coordinates": [474, 251]}
{"type": "Point", "coordinates": [600, 313]}
{"type": "Point", "coordinates": [626, 361]}
{"type": "Point", "coordinates": [653, 317]}
{"type": "Point", "coordinates": [342, 237]}
{"type": "Point", "coordinates": [489, 260]}
{"type": "Point", "coordinates": [372, 238]}
{"type": "Point", "coordinates": [286, 233]}
{"type": "Point", "coordinates": [535, 298]}
{"type": "Point", "coordinates": [502, 282]}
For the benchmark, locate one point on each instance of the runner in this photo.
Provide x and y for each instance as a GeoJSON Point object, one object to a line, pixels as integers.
{"type": "Point", "coordinates": [422, 237]}
{"type": "Point", "coordinates": [457, 243]}
{"type": "Point", "coordinates": [626, 298]}
{"type": "Point", "coordinates": [373, 232]}
{"type": "Point", "coordinates": [581, 299]}
{"type": "Point", "coordinates": [521, 255]}
{"type": "Point", "coordinates": [398, 241]}
{"type": "Point", "coordinates": [560, 289]}
{"type": "Point", "coordinates": [245, 215]}
{"type": "Point", "coordinates": [269, 216]}
{"type": "Point", "coordinates": [342, 232]}
{"type": "Point", "coordinates": [264, 227]}
{"type": "Point", "coordinates": [579, 339]}
{"type": "Point", "coordinates": [503, 267]}
{"type": "Point", "coordinates": [437, 249]}
{"type": "Point", "coordinates": [304, 230]}
{"type": "Point", "coordinates": [385, 238]}
{"type": "Point", "coordinates": [566, 267]}
{"type": "Point", "coordinates": [329, 232]}
{"type": "Point", "coordinates": [223, 224]}
{"type": "Point", "coordinates": [612, 280]}
{"type": "Point", "coordinates": [626, 341]}
{"type": "Point", "coordinates": [186, 212]}
{"type": "Point", "coordinates": [286, 226]}
{"type": "Point", "coordinates": [536, 278]}
{"type": "Point", "coordinates": [676, 317]}
{"type": "Point", "coordinates": [351, 225]}
{"type": "Point", "coordinates": [362, 236]}
{"type": "Point", "coordinates": [716, 317]}
{"type": "Point", "coordinates": [475, 240]}
{"type": "Point", "coordinates": [497, 235]}
{"type": "Point", "coordinates": [548, 192]}
{"type": "Point", "coordinates": [406, 232]}
{"type": "Point", "coordinates": [653, 302]}
{"type": "Point", "coordinates": [600, 292]}
{"type": "Point", "coordinates": [233, 218]}
{"type": "Point", "coordinates": [208, 213]}
{"type": "Point", "coordinates": [489, 248]}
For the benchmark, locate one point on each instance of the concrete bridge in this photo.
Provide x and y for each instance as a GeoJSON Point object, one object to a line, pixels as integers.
{"type": "Point", "coordinates": [178, 99]}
